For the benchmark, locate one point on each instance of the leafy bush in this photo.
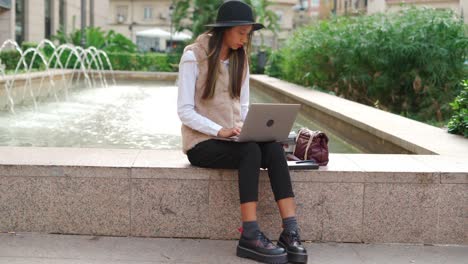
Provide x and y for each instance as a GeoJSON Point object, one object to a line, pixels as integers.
{"type": "Point", "coordinates": [119, 60]}
{"type": "Point", "coordinates": [121, 51]}
{"type": "Point", "coordinates": [176, 53]}
{"type": "Point", "coordinates": [254, 60]}
{"type": "Point", "coordinates": [108, 41]}
{"type": "Point", "coordinates": [410, 62]}
{"type": "Point", "coordinates": [139, 62]}
{"type": "Point", "coordinates": [10, 59]}
{"type": "Point", "coordinates": [37, 64]}
{"type": "Point", "coordinates": [458, 124]}
{"type": "Point", "coordinates": [26, 45]}
{"type": "Point", "coordinates": [173, 59]}
{"type": "Point", "coordinates": [273, 67]}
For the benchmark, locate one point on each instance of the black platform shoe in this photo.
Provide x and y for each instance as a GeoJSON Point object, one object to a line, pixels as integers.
{"type": "Point", "coordinates": [291, 241]}
{"type": "Point", "coordinates": [261, 249]}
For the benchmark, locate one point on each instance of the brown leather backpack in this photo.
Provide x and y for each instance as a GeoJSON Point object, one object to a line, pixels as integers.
{"type": "Point", "coordinates": [311, 145]}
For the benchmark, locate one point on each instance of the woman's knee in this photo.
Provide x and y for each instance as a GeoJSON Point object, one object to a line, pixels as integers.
{"type": "Point", "coordinates": [274, 146]}
{"type": "Point", "coordinates": [273, 149]}
{"type": "Point", "coordinates": [251, 149]}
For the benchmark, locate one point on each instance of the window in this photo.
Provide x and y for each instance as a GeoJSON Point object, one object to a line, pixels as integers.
{"type": "Point", "coordinates": [121, 13]}
{"type": "Point", "coordinates": [62, 18]}
{"type": "Point", "coordinates": [19, 22]}
{"type": "Point", "coordinates": [148, 13]}
{"type": "Point", "coordinates": [5, 5]}
{"type": "Point", "coordinates": [48, 18]}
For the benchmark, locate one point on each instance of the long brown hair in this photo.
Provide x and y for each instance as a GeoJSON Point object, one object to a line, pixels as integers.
{"type": "Point", "coordinates": [238, 60]}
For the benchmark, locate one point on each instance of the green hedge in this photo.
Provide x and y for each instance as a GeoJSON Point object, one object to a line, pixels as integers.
{"type": "Point", "coordinates": [273, 67]}
{"type": "Point", "coordinates": [253, 59]}
{"type": "Point", "coordinates": [119, 60]}
{"type": "Point", "coordinates": [408, 62]}
{"type": "Point", "coordinates": [458, 124]}
{"type": "Point", "coordinates": [9, 58]}
{"type": "Point", "coordinates": [140, 62]}
{"type": "Point", "coordinates": [26, 45]}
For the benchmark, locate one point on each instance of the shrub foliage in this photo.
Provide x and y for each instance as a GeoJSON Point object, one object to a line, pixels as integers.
{"type": "Point", "coordinates": [409, 62]}
{"type": "Point", "coordinates": [458, 124]}
{"type": "Point", "coordinates": [109, 41]}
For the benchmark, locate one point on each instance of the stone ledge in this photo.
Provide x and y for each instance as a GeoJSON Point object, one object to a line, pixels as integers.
{"type": "Point", "coordinates": [79, 157]}
{"type": "Point", "coordinates": [156, 76]}
{"type": "Point", "coordinates": [356, 198]}
{"type": "Point", "coordinates": [169, 164]}
{"type": "Point", "coordinates": [351, 200]}
{"type": "Point", "coordinates": [55, 73]}
{"type": "Point", "coordinates": [21, 77]}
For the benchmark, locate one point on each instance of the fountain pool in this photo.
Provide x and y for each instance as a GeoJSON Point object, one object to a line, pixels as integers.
{"type": "Point", "coordinates": [133, 114]}
{"type": "Point", "coordinates": [43, 110]}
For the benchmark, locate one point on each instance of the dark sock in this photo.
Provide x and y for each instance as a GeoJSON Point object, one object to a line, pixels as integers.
{"type": "Point", "coordinates": [250, 229]}
{"type": "Point", "coordinates": [290, 224]}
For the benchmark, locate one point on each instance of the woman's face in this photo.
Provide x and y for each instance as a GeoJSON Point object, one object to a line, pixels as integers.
{"type": "Point", "coordinates": [237, 36]}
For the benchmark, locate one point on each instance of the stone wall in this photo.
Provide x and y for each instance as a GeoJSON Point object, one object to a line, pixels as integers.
{"type": "Point", "coordinates": [356, 198]}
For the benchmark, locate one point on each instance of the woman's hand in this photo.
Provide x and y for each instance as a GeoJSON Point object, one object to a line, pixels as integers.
{"type": "Point", "coordinates": [229, 132]}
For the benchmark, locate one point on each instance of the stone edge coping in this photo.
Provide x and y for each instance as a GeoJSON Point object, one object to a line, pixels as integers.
{"type": "Point", "coordinates": [399, 130]}
{"type": "Point", "coordinates": [118, 74]}
{"type": "Point", "coordinates": [143, 73]}
{"type": "Point", "coordinates": [172, 164]}
{"type": "Point", "coordinates": [34, 74]}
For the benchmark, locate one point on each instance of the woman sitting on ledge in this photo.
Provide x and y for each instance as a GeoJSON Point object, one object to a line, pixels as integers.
{"type": "Point", "coordinates": [213, 101]}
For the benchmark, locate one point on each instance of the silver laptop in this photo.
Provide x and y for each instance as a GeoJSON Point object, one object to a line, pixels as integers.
{"type": "Point", "coordinates": [267, 122]}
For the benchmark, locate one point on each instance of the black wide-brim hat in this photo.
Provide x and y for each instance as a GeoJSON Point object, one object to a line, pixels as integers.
{"type": "Point", "coordinates": [235, 13]}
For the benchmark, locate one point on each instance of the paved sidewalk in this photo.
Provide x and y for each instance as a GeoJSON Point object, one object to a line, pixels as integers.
{"type": "Point", "coordinates": [32, 248]}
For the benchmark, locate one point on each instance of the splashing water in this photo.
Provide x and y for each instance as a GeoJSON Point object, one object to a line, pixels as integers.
{"type": "Point", "coordinates": [88, 63]}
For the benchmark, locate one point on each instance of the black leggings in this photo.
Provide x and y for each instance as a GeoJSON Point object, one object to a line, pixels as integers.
{"type": "Point", "coordinates": [248, 158]}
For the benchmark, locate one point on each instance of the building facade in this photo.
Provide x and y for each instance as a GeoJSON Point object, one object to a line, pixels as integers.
{"type": "Point", "coordinates": [131, 16]}
{"type": "Point", "coordinates": [319, 9]}
{"type": "Point", "coordinates": [350, 7]}
{"type": "Point", "coordinates": [7, 22]}
{"type": "Point", "coordinates": [34, 20]}
{"type": "Point", "coordinates": [458, 6]}
{"type": "Point", "coordinates": [286, 13]}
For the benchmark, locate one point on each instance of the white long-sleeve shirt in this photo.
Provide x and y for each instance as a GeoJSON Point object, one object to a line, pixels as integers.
{"type": "Point", "coordinates": [188, 74]}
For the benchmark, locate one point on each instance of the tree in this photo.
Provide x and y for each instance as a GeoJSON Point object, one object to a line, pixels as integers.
{"type": "Point", "coordinates": [265, 16]}
{"type": "Point", "coordinates": [204, 12]}
{"type": "Point", "coordinates": [109, 41]}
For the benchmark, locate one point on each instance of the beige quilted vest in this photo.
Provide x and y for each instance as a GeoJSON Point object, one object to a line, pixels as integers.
{"type": "Point", "coordinates": [221, 109]}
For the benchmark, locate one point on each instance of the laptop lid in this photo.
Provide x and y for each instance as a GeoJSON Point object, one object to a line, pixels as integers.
{"type": "Point", "coordinates": [268, 122]}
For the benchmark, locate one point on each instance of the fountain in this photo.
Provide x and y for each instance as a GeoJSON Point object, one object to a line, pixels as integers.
{"type": "Point", "coordinates": [5, 44]}
{"type": "Point", "coordinates": [89, 63]}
